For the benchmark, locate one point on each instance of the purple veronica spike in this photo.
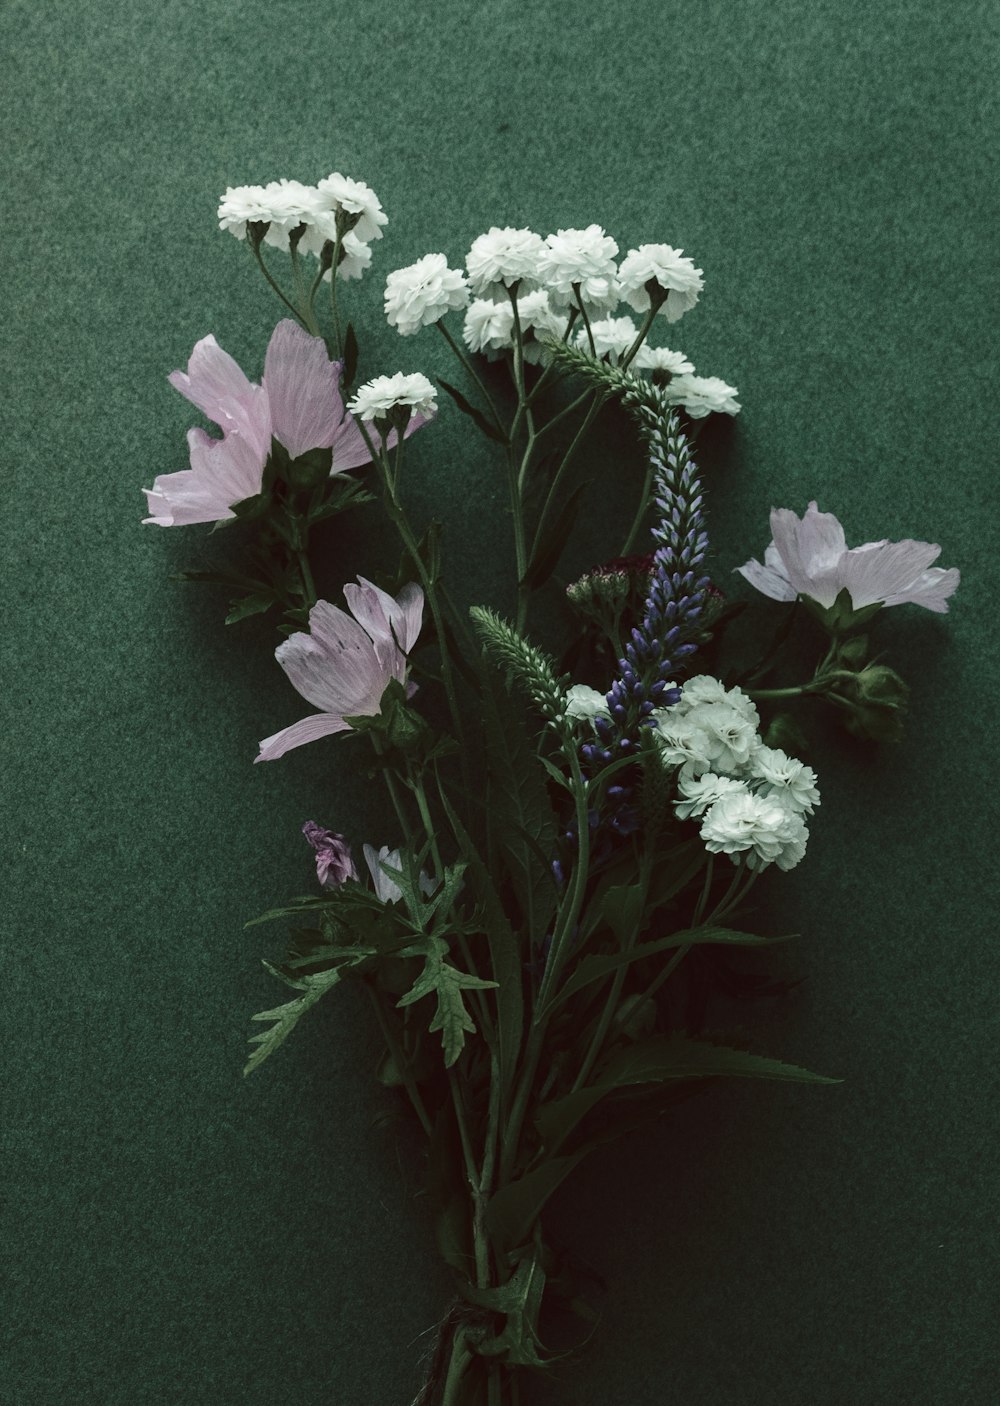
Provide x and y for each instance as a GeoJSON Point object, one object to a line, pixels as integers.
{"type": "Point", "coordinates": [660, 644]}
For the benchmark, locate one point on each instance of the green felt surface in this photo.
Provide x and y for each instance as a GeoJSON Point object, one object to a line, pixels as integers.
{"type": "Point", "coordinates": [177, 1235]}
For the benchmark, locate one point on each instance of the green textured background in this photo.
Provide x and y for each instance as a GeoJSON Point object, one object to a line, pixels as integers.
{"type": "Point", "coordinates": [175, 1234]}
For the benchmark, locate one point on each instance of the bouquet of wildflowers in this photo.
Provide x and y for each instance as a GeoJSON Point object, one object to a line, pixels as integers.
{"type": "Point", "coordinates": [575, 829]}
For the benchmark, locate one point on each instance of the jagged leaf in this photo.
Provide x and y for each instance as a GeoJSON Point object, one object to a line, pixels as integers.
{"type": "Point", "coordinates": [441, 979]}
{"type": "Point", "coordinates": [250, 605]}
{"type": "Point", "coordinates": [286, 1017]}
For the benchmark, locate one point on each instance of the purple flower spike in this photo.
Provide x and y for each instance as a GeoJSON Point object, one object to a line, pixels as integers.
{"type": "Point", "coordinates": [334, 865]}
{"type": "Point", "coordinates": [809, 556]}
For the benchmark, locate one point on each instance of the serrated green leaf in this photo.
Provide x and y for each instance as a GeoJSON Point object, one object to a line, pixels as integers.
{"type": "Point", "coordinates": [505, 955]}
{"type": "Point", "coordinates": [286, 1017]}
{"type": "Point", "coordinates": [447, 983]}
{"type": "Point", "coordinates": [485, 425]}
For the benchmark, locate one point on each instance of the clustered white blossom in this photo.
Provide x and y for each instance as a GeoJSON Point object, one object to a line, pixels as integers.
{"type": "Point", "coordinates": [376, 399]}
{"type": "Point", "coordinates": [554, 281]}
{"type": "Point", "coordinates": [284, 206]}
{"type": "Point", "coordinates": [751, 799]}
{"type": "Point", "coordinates": [422, 293]}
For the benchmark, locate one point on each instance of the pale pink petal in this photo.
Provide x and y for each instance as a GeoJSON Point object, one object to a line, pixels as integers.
{"type": "Point", "coordinates": [821, 541]}
{"type": "Point", "coordinates": [303, 389]}
{"type": "Point", "coordinates": [213, 380]}
{"type": "Point", "coordinates": [771, 579]}
{"type": "Point", "coordinates": [397, 621]}
{"type": "Point", "coordinates": [872, 576]}
{"type": "Point", "coordinates": [222, 472]}
{"type": "Point", "coordinates": [931, 589]}
{"type": "Point", "coordinates": [308, 730]}
{"type": "Point", "coordinates": [786, 529]}
{"type": "Point", "coordinates": [350, 450]}
{"type": "Point", "coordinates": [335, 666]}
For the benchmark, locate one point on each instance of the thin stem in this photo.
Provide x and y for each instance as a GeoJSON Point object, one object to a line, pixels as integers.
{"type": "Point", "coordinates": [457, 1367]}
{"type": "Point", "coordinates": [338, 340]}
{"type": "Point", "coordinates": [305, 571]}
{"type": "Point", "coordinates": [599, 398]}
{"type": "Point", "coordinates": [641, 510]}
{"type": "Point", "coordinates": [586, 319]}
{"type": "Point", "coordinates": [400, 1060]}
{"type": "Point", "coordinates": [481, 1248]}
{"type": "Point", "coordinates": [255, 250]}
{"type": "Point", "coordinates": [306, 316]}
{"type": "Point", "coordinates": [654, 307]}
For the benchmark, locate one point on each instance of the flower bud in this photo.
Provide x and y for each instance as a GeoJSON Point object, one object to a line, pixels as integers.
{"type": "Point", "coordinates": [334, 865]}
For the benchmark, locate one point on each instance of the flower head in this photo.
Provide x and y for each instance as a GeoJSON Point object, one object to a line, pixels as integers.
{"type": "Point", "coordinates": [334, 864]}
{"type": "Point", "coordinates": [336, 193]}
{"type": "Point", "coordinates": [489, 326]}
{"type": "Point", "coordinates": [343, 665]}
{"type": "Point", "coordinates": [422, 293]}
{"type": "Point", "coordinates": [703, 395]}
{"type": "Point", "coordinates": [503, 257]}
{"type": "Point", "coordinates": [663, 265]}
{"type": "Point", "coordinates": [809, 556]}
{"type": "Point", "coordinates": [298, 403]}
{"type": "Point", "coordinates": [662, 359]}
{"type": "Point", "coordinates": [786, 778]}
{"type": "Point", "coordinates": [613, 337]}
{"type": "Point", "coordinates": [386, 888]}
{"type": "Point", "coordinates": [767, 832]}
{"type": "Point", "coordinates": [377, 399]}
{"type": "Point", "coordinates": [585, 704]}
{"type": "Point", "coordinates": [582, 259]}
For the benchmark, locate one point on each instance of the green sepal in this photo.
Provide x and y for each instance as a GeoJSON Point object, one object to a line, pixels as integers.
{"type": "Point", "coordinates": [396, 725]}
{"type": "Point", "coordinates": [841, 617]}
{"type": "Point", "coordinates": [309, 470]}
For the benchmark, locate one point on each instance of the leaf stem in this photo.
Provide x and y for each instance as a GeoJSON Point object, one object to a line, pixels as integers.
{"type": "Point", "coordinates": [255, 250]}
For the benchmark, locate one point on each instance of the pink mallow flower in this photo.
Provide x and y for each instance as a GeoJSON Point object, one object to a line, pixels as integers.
{"type": "Point", "coordinates": [334, 863]}
{"type": "Point", "coordinates": [810, 557]}
{"type": "Point", "coordinates": [298, 403]}
{"type": "Point", "coordinates": [344, 665]}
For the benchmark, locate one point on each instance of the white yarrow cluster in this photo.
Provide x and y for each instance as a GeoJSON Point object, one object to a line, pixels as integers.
{"type": "Point", "coordinates": [376, 399]}
{"type": "Point", "coordinates": [501, 258]}
{"type": "Point", "coordinates": [666, 266]}
{"type": "Point", "coordinates": [751, 799]}
{"type": "Point", "coordinates": [703, 395]}
{"type": "Point", "coordinates": [584, 704]}
{"type": "Point", "coordinates": [580, 260]}
{"type": "Point", "coordinates": [649, 358]}
{"type": "Point", "coordinates": [284, 206]}
{"type": "Point", "coordinates": [613, 336]}
{"type": "Point", "coordinates": [422, 293]}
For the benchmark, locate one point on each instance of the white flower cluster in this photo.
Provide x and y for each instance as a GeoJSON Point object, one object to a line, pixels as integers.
{"type": "Point", "coordinates": [285, 205]}
{"type": "Point", "coordinates": [751, 799]}
{"type": "Point", "coordinates": [550, 278]}
{"type": "Point", "coordinates": [376, 399]}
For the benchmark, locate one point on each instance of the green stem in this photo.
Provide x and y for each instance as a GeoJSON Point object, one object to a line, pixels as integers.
{"type": "Point", "coordinates": [306, 316]}
{"type": "Point", "coordinates": [641, 510]}
{"type": "Point", "coordinates": [480, 1245]}
{"type": "Point", "coordinates": [305, 571]}
{"type": "Point", "coordinates": [401, 1062]}
{"type": "Point", "coordinates": [255, 250]}
{"type": "Point", "coordinates": [461, 1357]}
{"type": "Point", "coordinates": [641, 335]}
{"type": "Point", "coordinates": [338, 340]}
{"type": "Point", "coordinates": [586, 319]}
{"type": "Point", "coordinates": [599, 397]}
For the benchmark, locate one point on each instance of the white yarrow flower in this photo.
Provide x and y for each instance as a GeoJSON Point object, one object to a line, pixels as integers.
{"type": "Point", "coordinates": [767, 832]}
{"type": "Point", "coordinates": [422, 293]}
{"type": "Point", "coordinates": [488, 326]}
{"type": "Point", "coordinates": [662, 264]}
{"type": "Point", "coordinates": [703, 395]}
{"type": "Point", "coordinates": [612, 337]}
{"type": "Point", "coordinates": [503, 257]}
{"type": "Point", "coordinates": [376, 399]}
{"type": "Point", "coordinates": [680, 741]}
{"type": "Point", "coordinates": [699, 792]}
{"type": "Point", "coordinates": [336, 192]}
{"type": "Point", "coordinates": [649, 358]}
{"type": "Point", "coordinates": [581, 257]}
{"type": "Point", "coordinates": [585, 703]}
{"type": "Point", "coordinates": [243, 205]}
{"type": "Point", "coordinates": [703, 688]}
{"type": "Point", "coordinates": [786, 779]}
{"type": "Point", "coordinates": [732, 737]}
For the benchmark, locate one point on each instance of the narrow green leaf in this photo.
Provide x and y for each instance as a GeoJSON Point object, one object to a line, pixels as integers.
{"type": "Point", "coordinates": [514, 1208]}
{"type": "Point", "coordinates": [350, 355]}
{"type": "Point", "coordinates": [601, 964]}
{"type": "Point", "coordinates": [485, 425]}
{"type": "Point", "coordinates": [663, 1059]}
